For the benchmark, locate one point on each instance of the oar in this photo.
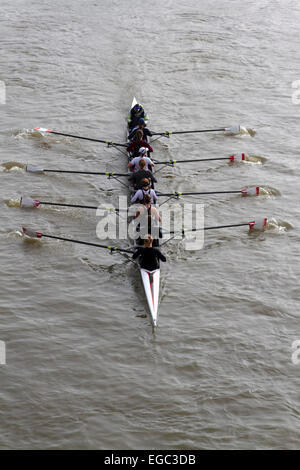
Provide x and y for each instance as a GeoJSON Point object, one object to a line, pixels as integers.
{"type": "Point", "coordinates": [233, 130]}
{"type": "Point", "coordinates": [245, 192]}
{"type": "Point", "coordinates": [29, 202]}
{"type": "Point", "coordinates": [50, 131]}
{"type": "Point", "coordinates": [35, 169]}
{"type": "Point", "coordinates": [33, 234]}
{"type": "Point", "coordinates": [232, 158]}
{"type": "Point", "coordinates": [253, 225]}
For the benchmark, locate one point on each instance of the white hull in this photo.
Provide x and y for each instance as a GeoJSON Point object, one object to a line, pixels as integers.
{"type": "Point", "coordinates": [134, 102]}
{"type": "Point", "coordinates": [151, 286]}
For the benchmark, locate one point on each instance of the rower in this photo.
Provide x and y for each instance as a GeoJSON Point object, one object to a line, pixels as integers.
{"type": "Point", "coordinates": [136, 113]}
{"type": "Point", "coordinates": [142, 126]}
{"type": "Point", "coordinates": [142, 173]}
{"type": "Point", "coordinates": [138, 143]}
{"type": "Point", "coordinates": [149, 220]}
{"type": "Point", "coordinates": [149, 256]}
{"type": "Point", "coordinates": [140, 194]}
{"type": "Point", "coordinates": [134, 163]}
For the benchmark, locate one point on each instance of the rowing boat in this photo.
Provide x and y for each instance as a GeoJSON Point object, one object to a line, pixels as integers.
{"type": "Point", "coordinates": [150, 279]}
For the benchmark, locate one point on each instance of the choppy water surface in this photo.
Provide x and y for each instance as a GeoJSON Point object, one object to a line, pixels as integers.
{"type": "Point", "coordinates": [84, 369]}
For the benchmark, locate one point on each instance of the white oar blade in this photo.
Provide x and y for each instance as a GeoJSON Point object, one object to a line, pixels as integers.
{"type": "Point", "coordinates": [42, 129]}
{"type": "Point", "coordinates": [237, 158]}
{"type": "Point", "coordinates": [250, 191]}
{"type": "Point", "coordinates": [34, 169]}
{"type": "Point", "coordinates": [31, 233]}
{"type": "Point", "coordinates": [29, 202]}
{"type": "Point", "coordinates": [258, 225]}
{"type": "Point", "coordinates": [233, 130]}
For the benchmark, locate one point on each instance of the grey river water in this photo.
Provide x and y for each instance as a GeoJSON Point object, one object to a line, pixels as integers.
{"type": "Point", "coordinates": [84, 369]}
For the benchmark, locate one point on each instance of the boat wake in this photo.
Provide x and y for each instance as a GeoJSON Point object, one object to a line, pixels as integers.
{"type": "Point", "coordinates": [265, 191]}
{"type": "Point", "coordinates": [25, 133]}
{"type": "Point", "coordinates": [244, 131]}
{"type": "Point", "coordinates": [12, 166]}
{"type": "Point", "coordinates": [278, 226]}
{"type": "Point", "coordinates": [12, 202]}
{"type": "Point", "coordinates": [254, 159]}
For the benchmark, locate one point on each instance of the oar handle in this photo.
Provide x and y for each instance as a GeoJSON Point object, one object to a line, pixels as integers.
{"type": "Point", "coordinates": [224, 226]}
{"type": "Point", "coordinates": [210, 228]}
{"type": "Point", "coordinates": [107, 173]}
{"type": "Point", "coordinates": [80, 206]}
{"type": "Point", "coordinates": [172, 162]}
{"type": "Point", "coordinates": [175, 194]}
{"type": "Point", "coordinates": [111, 248]}
{"type": "Point", "coordinates": [88, 138]}
{"type": "Point", "coordinates": [67, 205]}
{"type": "Point", "coordinates": [188, 132]}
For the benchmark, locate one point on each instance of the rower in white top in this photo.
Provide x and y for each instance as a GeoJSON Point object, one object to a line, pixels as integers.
{"type": "Point", "coordinates": [134, 163]}
{"type": "Point", "coordinates": [140, 194]}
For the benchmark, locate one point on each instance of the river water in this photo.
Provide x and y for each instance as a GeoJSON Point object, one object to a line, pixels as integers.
{"type": "Point", "coordinates": [84, 369]}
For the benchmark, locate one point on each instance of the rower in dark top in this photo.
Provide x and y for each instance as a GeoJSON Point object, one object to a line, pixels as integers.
{"type": "Point", "coordinates": [142, 126]}
{"type": "Point", "coordinates": [138, 143]}
{"type": "Point", "coordinates": [149, 257]}
{"type": "Point", "coordinates": [142, 173]}
{"type": "Point", "coordinates": [136, 113]}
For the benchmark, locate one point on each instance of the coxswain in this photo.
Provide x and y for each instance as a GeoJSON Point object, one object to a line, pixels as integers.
{"type": "Point", "coordinates": [137, 143]}
{"type": "Point", "coordinates": [134, 163]}
{"type": "Point", "coordinates": [140, 194]}
{"type": "Point", "coordinates": [149, 220]}
{"type": "Point", "coordinates": [149, 257]}
{"type": "Point", "coordinates": [142, 126]}
{"type": "Point", "coordinates": [140, 174]}
{"type": "Point", "coordinates": [136, 113]}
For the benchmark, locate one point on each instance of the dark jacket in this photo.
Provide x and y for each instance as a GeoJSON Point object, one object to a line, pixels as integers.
{"type": "Point", "coordinates": [133, 118]}
{"type": "Point", "coordinates": [138, 176]}
{"type": "Point", "coordinates": [146, 133]}
{"type": "Point", "coordinates": [149, 257]}
{"type": "Point", "coordinates": [135, 146]}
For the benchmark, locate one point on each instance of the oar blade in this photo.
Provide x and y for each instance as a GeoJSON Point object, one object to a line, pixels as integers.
{"type": "Point", "coordinates": [233, 130]}
{"type": "Point", "coordinates": [254, 191]}
{"type": "Point", "coordinates": [259, 224]}
{"type": "Point", "coordinates": [29, 202]}
{"type": "Point", "coordinates": [31, 233]}
{"type": "Point", "coordinates": [34, 169]}
{"type": "Point", "coordinates": [240, 157]}
{"type": "Point", "coordinates": [42, 129]}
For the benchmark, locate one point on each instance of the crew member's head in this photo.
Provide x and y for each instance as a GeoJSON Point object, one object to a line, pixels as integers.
{"type": "Point", "coordinates": [145, 183]}
{"type": "Point", "coordinates": [142, 164]}
{"type": "Point", "coordinates": [139, 135]}
{"type": "Point", "coordinates": [148, 241]}
{"type": "Point", "coordinates": [143, 151]}
{"type": "Point", "coordinates": [137, 108]}
{"type": "Point", "coordinates": [147, 199]}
